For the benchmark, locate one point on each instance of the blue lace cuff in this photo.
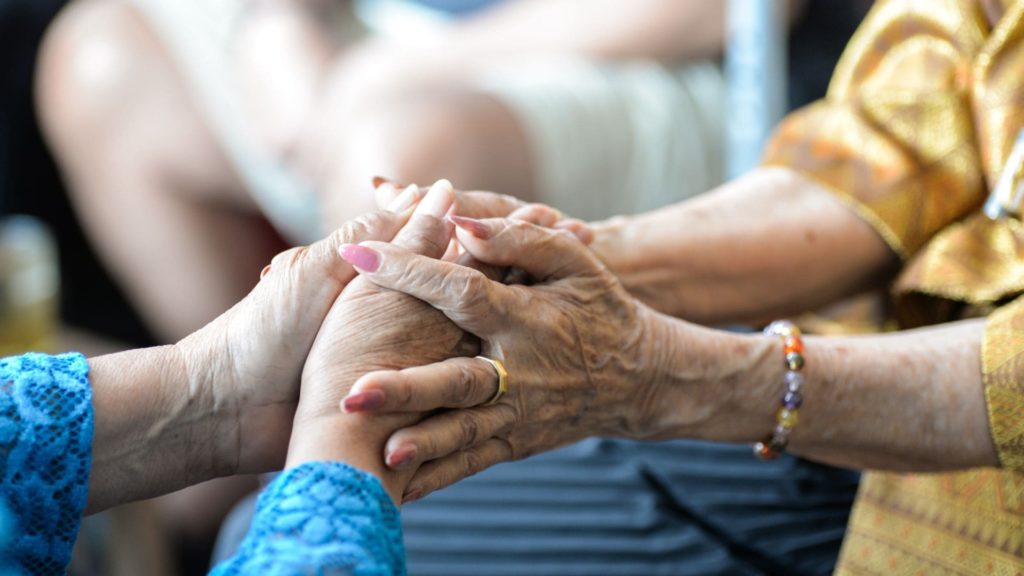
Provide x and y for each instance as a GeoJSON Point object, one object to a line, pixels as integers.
{"type": "Point", "coordinates": [322, 517]}
{"type": "Point", "coordinates": [46, 427]}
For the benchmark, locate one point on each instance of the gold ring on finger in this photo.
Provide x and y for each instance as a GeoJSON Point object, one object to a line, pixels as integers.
{"type": "Point", "coordinates": [502, 379]}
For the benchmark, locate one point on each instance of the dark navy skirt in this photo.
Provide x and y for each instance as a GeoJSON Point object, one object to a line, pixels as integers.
{"type": "Point", "coordinates": [611, 507]}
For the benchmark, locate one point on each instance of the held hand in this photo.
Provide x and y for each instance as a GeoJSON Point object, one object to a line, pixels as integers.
{"type": "Point", "coordinates": [575, 345]}
{"type": "Point", "coordinates": [249, 359]}
{"type": "Point", "coordinates": [373, 328]}
{"type": "Point", "coordinates": [483, 204]}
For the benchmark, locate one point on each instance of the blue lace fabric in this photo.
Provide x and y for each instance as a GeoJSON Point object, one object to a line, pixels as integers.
{"type": "Point", "coordinates": [317, 518]}
{"type": "Point", "coordinates": [46, 425]}
{"type": "Point", "coordinates": [324, 516]}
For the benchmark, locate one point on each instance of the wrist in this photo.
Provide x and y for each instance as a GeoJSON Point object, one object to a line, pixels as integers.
{"type": "Point", "coordinates": [712, 384]}
{"type": "Point", "coordinates": [356, 439]}
{"type": "Point", "coordinates": [206, 385]}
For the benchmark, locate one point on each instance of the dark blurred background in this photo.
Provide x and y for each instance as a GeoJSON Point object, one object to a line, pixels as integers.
{"type": "Point", "coordinates": [30, 183]}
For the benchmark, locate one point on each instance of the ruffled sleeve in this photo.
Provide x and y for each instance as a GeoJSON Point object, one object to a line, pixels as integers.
{"type": "Point", "coordinates": [322, 517]}
{"type": "Point", "coordinates": [894, 138]}
{"type": "Point", "coordinates": [46, 428]}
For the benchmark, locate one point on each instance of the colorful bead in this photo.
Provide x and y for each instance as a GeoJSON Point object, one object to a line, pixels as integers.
{"type": "Point", "coordinates": [787, 417]}
{"type": "Point", "coordinates": [763, 451]}
{"type": "Point", "coordinates": [783, 328]}
{"type": "Point", "coordinates": [792, 344]}
{"type": "Point", "coordinates": [794, 381]}
{"type": "Point", "coordinates": [792, 400]}
{"type": "Point", "coordinates": [778, 444]}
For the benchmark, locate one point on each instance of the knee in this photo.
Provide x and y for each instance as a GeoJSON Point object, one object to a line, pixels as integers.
{"type": "Point", "coordinates": [423, 139]}
{"type": "Point", "coordinates": [91, 57]}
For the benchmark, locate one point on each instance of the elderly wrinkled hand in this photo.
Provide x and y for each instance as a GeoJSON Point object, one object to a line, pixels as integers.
{"type": "Point", "coordinates": [485, 204]}
{"type": "Point", "coordinates": [251, 357]}
{"type": "Point", "coordinates": [574, 342]}
{"type": "Point", "coordinates": [373, 328]}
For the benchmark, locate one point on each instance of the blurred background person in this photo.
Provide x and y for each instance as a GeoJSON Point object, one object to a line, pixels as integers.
{"type": "Point", "coordinates": [189, 169]}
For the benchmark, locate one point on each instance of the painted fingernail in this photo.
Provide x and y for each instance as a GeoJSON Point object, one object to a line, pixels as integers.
{"type": "Point", "coordinates": [473, 226]}
{"type": "Point", "coordinates": [412, 495]}
{"type": "Point", "coordinates": [363, 402]}
{"type": "Point", "coordinates": [405, 200]}
{"type": "Point", "coordinates": [378, 180]}
{"type": "Point", "coordinates": [265, 271]}
{"type": "Point", "coordinates": [361, 257]}
{"type": "Point", "coordinates": [401, 457]}
{"type": "Point", "coordinates": [438, 200]}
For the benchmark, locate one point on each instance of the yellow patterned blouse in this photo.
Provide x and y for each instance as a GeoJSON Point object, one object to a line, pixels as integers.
{"type": "Point", "coordinates": [920, 117]}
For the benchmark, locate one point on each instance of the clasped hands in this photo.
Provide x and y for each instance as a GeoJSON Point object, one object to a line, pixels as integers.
{"type": "Point", "coordinates": [362, 347]}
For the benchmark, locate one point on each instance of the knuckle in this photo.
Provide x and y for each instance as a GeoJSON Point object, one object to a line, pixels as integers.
{"type": "Point", "coordinates": [519, 227]}
{"type": "Point", "coordinates": [355, 230]}
{"type": "Point", "coordinates": [404, 394]}
{"type": "Point", "coordinates": [460, 390]}
{"type": "Point", "coordinates": [427, 235]}
{"type": "Point", "coordinates": [472, 462]}
{"type": "Point", "coordinates": [469, 429]}
{"type": "Point", "coordinates": [289, 258]}
{"type": "Point", "coordinates": [473, 293]}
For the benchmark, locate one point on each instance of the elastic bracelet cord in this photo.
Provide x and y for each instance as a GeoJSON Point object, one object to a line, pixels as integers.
{"type": "Point", "coordinates": [789, 413]}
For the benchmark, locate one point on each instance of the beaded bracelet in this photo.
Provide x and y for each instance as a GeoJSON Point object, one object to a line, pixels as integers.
{"type": "Point", "coordinates": [789, 414]}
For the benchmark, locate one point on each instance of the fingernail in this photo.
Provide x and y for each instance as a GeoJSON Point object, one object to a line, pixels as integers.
{"type": "Point", "coordinates": [265, 271]}
{"type": "Point", "coordinates": [401, 457]}
{"type": "Point", "coordinates": [412, 495]}
{"type": "Point", "coordinates": [378, 180]}
{"type": "Point", "coordinates": [438, 200]}
{"type": "Point", "coordinates": [405, 200]}
{"type": "Point", "coordinates": [363, 402]}
{"type": "Point", "coordinates": [473, 226]}
{"type": "Point", "coordinates": [361, 257]}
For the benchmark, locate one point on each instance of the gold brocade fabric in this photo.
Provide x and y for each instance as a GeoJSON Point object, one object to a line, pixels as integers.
{"type": "Point", "coordinates": [920, 117]}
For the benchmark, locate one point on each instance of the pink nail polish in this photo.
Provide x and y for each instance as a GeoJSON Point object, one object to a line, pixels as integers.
{"type": "Point", "coordinates": [412, 496]}
{"type": "Point", "coordinates": [402, 457]}
{"type": "Point", "coordinates": [367, 401]}
{"type": "Point", "coordinates": [361, 257]}
{"type": "Point", "coordinates": [473, 226]}
{"type": "Point", "coordinates": [265, 271]}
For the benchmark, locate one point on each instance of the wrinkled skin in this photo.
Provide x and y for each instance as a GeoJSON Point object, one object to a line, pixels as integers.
{"type": "Point", "coordinates": [251, 357]}
{"type": "Point", "coordinates": [575, 343]}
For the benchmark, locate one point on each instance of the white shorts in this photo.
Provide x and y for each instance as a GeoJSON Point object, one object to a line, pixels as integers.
{"type": "Point", "coordinates": [616, 138]}
{"type": "Point", "coordinates": [606, 138]}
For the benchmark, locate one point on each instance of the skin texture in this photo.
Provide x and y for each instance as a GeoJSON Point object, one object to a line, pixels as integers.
{"type": "Point", "coordinates": [764, 246]}
{"type": "Point", "coordinates": [586, 359]}
{"type": "Point", "coordinates": [370, 328]}
{"type": "Point", "coordinates": [222, 401]}
{"type": "Point", "coordinates": [261, 385]}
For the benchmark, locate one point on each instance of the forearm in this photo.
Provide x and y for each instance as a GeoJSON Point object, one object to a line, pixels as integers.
{"type": "Point", "coordinates": [906, 401]}
{"type": "Point", "coordinates": [155, 432]}
{"type": "Point", "coordinates": [768, 245]}
{"type": "Point", "coordinates": [357, 440]}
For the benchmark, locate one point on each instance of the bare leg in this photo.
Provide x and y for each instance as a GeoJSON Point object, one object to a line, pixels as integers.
{"type": "Point", "coordinates": [155, 193]}
{"type": "Point", "coordinates": [469, 138]}
{"type": "Point", "coordinates": [154, 190]}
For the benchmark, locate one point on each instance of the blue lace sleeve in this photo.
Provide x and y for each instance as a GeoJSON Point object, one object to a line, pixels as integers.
{"type": "Point", "coordinates": [322, 518]}
{"type": "Point", "coordinates": [46, 425]}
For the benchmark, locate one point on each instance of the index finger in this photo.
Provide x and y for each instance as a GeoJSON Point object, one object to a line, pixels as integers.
{"type": "Point", "coordinates": [452, 383]}
{"type": "Point", "coordinates": [428, 233]}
